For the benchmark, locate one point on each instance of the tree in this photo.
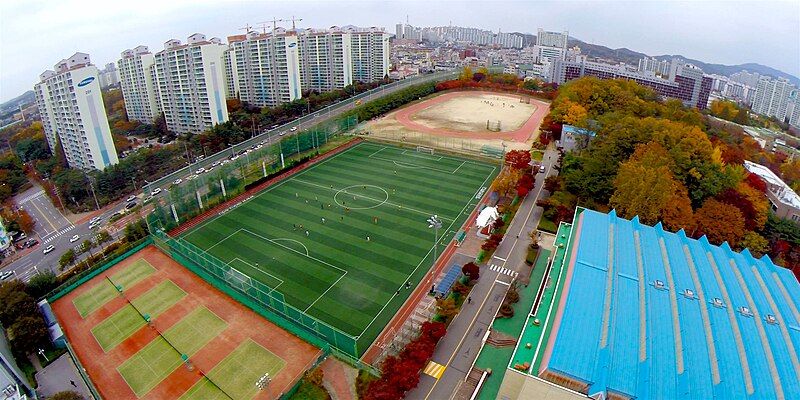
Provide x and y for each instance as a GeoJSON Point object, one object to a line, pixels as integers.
{"type": "Point", "coordinates": [103, 236]}
{"type": "Point", "coordinates": [471, 270]}
{"type": "Point", "coordinates": [519, 159]}
{"type": "Point", "coordinates": [678, 213]}
{"type": "Point", "coordinates": [719, 222]}
{"type": "Point", "coordinates": [433, 330]}
{"type": "Point", "coordinates": [644, 185]}
{"type": "Point", "coordinates": [28, 334]}
{"type": "Point", "coordinates": [446, 308]}
{"type": "Point", "coordinates": [506, 181]}
{"type": "Point", "coordinates": [66, 259]}
{"type": "Point", "coordinates": [755, 243]}
{"type": "Point", "coordinates": [66, 395]}
{"type": "Point", "coordinates": [86, 245]}
{"type": "Point", "coordinates": [466, 74]}
{"type": "Point", "coordinates": [16, 304]}
{"type": "Point", "coordinates": [42, 283]}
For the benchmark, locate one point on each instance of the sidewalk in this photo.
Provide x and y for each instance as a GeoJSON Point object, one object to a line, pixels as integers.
{"type": "Point", "coordinates": [60, 375]}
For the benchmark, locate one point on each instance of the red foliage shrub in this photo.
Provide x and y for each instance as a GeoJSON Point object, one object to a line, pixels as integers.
{"type": "Point", "coordinates": [756, 182]}
{"type": "Point", "coordinates": [471, 270]}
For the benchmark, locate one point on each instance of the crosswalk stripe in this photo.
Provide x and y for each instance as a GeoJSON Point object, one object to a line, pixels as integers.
{"type": "Point", "coordinates": [31, 197]}
{"type": "Point", "coordinates": [59, 233]}
{"type": "Point", "coordinates": [434, 369]}
{"type": "Point", "coordinates": [503, 270]}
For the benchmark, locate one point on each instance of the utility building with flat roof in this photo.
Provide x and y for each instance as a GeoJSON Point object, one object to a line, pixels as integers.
{"type": "Point", "coordinates": [650, 314]}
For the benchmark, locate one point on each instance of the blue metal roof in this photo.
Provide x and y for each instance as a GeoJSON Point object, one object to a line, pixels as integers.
{"type": "Point", "coordinates": [577, 130]}
{"type": "Point", "coordinates": [655, 314]}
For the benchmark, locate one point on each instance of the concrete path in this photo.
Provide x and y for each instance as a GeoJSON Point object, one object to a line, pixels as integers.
{"type": "Point", "coordinates": [460, 347]}
{"type": "Point", "coordinates": [59, 376]}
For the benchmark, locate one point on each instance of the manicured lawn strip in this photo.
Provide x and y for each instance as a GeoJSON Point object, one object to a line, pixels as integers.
{"type": "Point", "coordinates": [94, 298]}
{"type": "Point", "coordinates": [123, 323]}
{"type": "Point", "coordinates": [238, 373]}
{"type": "Point", "coordinates": [417, 187]}
{"type": "Point", "coordinates": [150, 365]}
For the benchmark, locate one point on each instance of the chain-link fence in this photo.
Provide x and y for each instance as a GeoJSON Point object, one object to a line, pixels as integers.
{"type": "Point", "coordinates": [204, 188]}
{"type": "Point", "coordinates": [452, 144]}
{"type": "Point", "coordinates": [246, 290]}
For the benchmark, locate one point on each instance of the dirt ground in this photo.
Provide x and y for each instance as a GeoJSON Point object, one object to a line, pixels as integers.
{"type": "Point", "coordinates": [457, 121]}
{"type": "Point", "coordinates": [242, 323]}
{"type": "Point", "coordinates": [471, 113]}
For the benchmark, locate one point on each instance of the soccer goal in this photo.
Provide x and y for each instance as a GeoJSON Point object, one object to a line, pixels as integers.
{"type": "Point", "coordinates": [423, 149]}
{"type": "Point", "coordinates": [493, 126]}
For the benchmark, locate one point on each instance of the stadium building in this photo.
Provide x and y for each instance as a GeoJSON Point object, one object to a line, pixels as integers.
{"type": "Point", "coordinates": [649, 314]}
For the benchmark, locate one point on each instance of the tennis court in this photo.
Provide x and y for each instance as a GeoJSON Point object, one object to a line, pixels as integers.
{"type": "Point", "coordinates": [159, 358]}
{"type": "Point", "coordinates": [101, 293]}
{"type": "Point", "coordinates": [123, 323]}
{"type": "Point", "coordinates": [200, 343]}
{"type": "Point", "coordinates": [346, 239]}
{"type": "Point", "coordinates": [237, 372]}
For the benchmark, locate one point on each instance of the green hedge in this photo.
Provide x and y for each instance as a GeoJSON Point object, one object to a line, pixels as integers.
{"type": "Point", "coordinates": [390, 102]}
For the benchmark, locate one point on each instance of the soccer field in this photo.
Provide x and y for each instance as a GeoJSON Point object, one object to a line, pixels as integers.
{"type": "Point", "coordinates": [341, 239]}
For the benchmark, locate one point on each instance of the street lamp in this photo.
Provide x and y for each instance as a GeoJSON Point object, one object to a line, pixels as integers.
{"type": "Point", "coordinates": [435, 223]}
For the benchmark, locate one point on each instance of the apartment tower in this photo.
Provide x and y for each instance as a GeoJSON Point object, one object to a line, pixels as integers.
{"type": "Point", "coordinates": [139, 89]}
{"type": "Point", "coordinates": [71, 107]}
{"type": "Point", "coordinates": [191, 83]}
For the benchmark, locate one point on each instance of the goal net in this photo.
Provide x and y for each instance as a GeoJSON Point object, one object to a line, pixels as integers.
{"type": "Point", "coordinates": [423, 149]}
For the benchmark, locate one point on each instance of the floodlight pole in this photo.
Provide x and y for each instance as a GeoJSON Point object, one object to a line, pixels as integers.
{"type": "Point", "coordinates": [435, 223]}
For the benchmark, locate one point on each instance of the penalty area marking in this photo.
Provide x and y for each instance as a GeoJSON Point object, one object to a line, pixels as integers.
{"type": "Point", "coordinates": [258, 269]}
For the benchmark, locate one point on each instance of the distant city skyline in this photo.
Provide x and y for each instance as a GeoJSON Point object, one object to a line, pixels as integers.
{"type": "Point", "coordinates": [34, 35]}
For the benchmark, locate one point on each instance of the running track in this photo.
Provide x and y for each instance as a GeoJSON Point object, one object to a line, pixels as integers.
{"type": "Point", "coordinates": [404, 117]}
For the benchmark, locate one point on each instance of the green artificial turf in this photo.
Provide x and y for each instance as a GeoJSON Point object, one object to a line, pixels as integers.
{"type": "Point", "coordinates": [346, 270]}
{"type": "Point", "coordinates": [103, 291]}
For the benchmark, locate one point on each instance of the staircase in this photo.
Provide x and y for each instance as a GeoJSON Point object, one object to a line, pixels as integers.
{"type": "Point", "coordinates": [498, 339]}
{"type": "Point", "coordinates": [467, 387]}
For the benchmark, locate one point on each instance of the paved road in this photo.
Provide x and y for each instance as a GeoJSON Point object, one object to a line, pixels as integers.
{"type": "Point", "coordinates": [460, 347]}
{"type": "Point", "coordinates": [60, 375]}
{"type": "Point", "coordinates": [51, 228]}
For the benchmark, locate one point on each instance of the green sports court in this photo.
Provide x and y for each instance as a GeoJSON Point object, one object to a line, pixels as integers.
{"type": "Point", "coordinates": [346, 239]}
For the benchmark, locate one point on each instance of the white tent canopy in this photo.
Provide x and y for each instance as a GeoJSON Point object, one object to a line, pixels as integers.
{"type": "Point", "coordinates": [487, 216]}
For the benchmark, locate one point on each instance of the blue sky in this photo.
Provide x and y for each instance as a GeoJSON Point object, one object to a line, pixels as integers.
{"type": "Point", "coordinates": [35, 34]}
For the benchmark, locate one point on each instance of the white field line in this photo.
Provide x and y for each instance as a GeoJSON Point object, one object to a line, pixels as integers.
{"type": "Point", "coordinates": [376, 200]}
{"type": "Point", "coordinates": [426, 254]}
{"type": "Point", "coordinates": [259, 269]}
{"type": "Point", "coordinates": [422, 156]}
{"type": "Point", "coordinates": [459, 167]}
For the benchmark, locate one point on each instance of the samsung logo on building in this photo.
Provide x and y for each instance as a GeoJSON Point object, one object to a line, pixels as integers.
{"type": "Point", "coordinates": [292, 44]}
{"type": "Point", "coordinates": [86, 81]}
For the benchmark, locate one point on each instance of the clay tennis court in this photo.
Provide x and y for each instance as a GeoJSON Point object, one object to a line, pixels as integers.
{"type": "Point", "coordinates": [223, 339]}
{"type": "Point", "coordinates": [464, 114]}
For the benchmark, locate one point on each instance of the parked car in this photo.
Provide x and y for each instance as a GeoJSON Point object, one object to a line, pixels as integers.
{"type": "Point", "coordinates": [200, 170]}
{"type": "Point", "coordinates": [177, 181]}
{"type": "Point", "coordinates": [214, 164]}
{"type": "Point", "coordinates": [30, 243]}
{"type": "Point", "coordinates": [542, 168]}
{"type": "Point", "coordinates": [155, 192]}
{"type": "Point", "coordinates": [6, 274]}
{"type": "Point", "coordinates": [283, 133]}
{"type": "Point", "coordinates": [130, 205]}
{"type": "Point", "coordinates": [131, 198]}
{"type": "Point", "coordinates": [294, 128]}
{"type": "Point", "coordinates": [48, 249]}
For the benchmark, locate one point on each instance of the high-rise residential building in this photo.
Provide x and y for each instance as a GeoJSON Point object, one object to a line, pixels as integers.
{"type": "Point", "coordinates": [552, 39]}
{"type": "Point", "coordinates": [654, 66]}
{"type": "Point", "coordinates": [369, 53]}
{"type": "Point", "coordinates": [325, 59]}
{"type": "Point", "coordinates": [265, 67]}
{"type": "Point", "coordinates": [191, 83]}
{"type": "Point", "coordinates": [398, 31]}
{"type": "Point", "coordinates": [109, 76]}
{"type": "Point", "coordinates": [685, 82]}
{"type": "Point", "coordinates": [772, 97]}
{"type": "Point", "coordinates": [71, 107]}
{"type": "Point", "coordinates": [139, 88]}
{"type": "Point", "coordinates": [746, 78]}
{"type": "Point", "coordinates": [794, 117]}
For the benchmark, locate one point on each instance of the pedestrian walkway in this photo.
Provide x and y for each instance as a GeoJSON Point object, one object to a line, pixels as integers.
{"type": "Point", "coordinates": [54, 235]}
{"type": "Point", "coordinates": [29, 197]}
{"type": "Point", "coordinates": [504, 270]}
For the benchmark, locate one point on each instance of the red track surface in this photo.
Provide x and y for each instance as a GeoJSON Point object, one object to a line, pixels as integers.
{"type": "Point", "coordinates": [405, 115]}
{"type": "Point", "coordinates": [421, 290]}
{"type": "Point", "coordinates": [242, 324]}
{"type": "Point", "coordinates": [253, 191]}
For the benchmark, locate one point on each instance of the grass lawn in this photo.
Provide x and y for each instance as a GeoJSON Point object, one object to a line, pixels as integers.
{"type": "Point", "coordinates": [99, 295]}
{"type": "Point", "coordinates": [340, 239]}
{"type": "Point", "coordinates": [150, 365]}
{"type": "Point", "coordinates": [237, 373]}
{"type": "Point", "coordinates": [547, 225]}
{"type": "Point", "coordinates": [123, 323]}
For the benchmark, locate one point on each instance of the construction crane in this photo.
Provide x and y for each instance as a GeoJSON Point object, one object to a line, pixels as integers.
{"type": "Point", "coordinates": [246, 28]}
{"type": "Point", "coordinates": [274, 24]}
{"type": "Point", "coordinates": [295, 20]}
